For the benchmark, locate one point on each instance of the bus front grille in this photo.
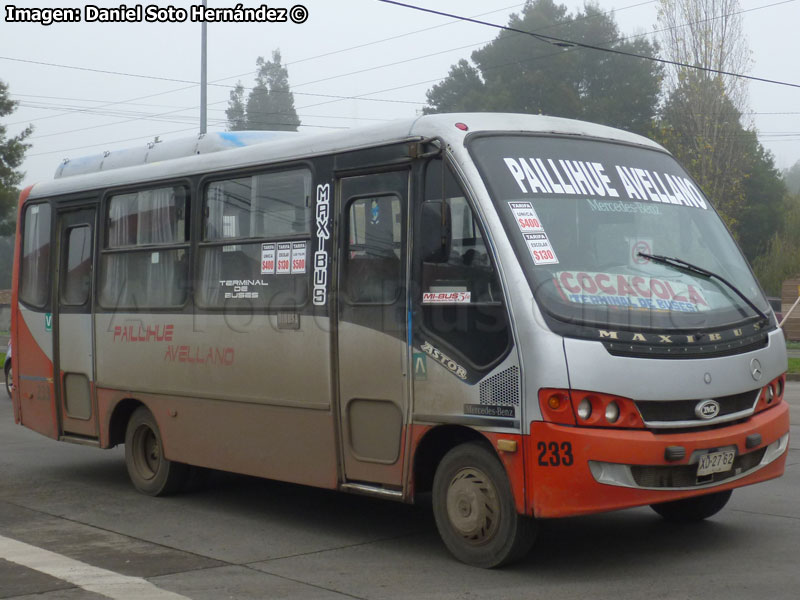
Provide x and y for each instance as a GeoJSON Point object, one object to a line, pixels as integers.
{"type": "Point", "coordinates": [667, 411]}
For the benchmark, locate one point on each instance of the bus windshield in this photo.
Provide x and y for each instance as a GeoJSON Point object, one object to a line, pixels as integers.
{"type": "Point", "coordinates": [581, 214]}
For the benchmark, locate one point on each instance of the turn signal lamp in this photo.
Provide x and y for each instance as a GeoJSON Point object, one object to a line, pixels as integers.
{"type": "Point", "coordinates": [556, 406]}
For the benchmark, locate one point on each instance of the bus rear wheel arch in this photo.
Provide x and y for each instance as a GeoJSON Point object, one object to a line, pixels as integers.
{"type": "Point", "coordinates": [474, 508]}
{"type": "Point", "coordinates": [149, 470]}
{"type": "Point", "coordinates": [691, 510]}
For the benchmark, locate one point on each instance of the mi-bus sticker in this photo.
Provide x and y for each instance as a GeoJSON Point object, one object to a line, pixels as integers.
{"type": "Point", "coordinates": [267, 259]}
{"type": "Point", "coordinates": [284, 265]}
{"type": "Point", "coordinates": [446, 297]}
{"type": "Point", "coordinates": [48, 321]}
{"type": "Point", "coordinates": [540, 248]}
{"type": "Point", "coordinates": [525, 216]}
{"type": "Point", "coordinates": [298, 257]}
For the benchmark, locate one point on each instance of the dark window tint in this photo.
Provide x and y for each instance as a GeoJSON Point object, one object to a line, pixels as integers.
{"type": "Point", "coordinates": [78, 268]}
{"type": "Point", "coordinates": [35, 283]}
{"type": "Point", "coordinates": [580, 212]}
{"type": "Point", "coordinates": [372, 270]}
{"type": "Point", "coordinates": [462, 302]}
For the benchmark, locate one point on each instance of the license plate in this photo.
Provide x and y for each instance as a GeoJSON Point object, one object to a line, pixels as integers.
{"type": "Point", "coordinates": [715, 462]}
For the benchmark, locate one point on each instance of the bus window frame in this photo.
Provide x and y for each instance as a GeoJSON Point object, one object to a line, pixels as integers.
{"type": "Point", "coordinates": [48, 303]}
{"type": "Point", "coordinates": [64, 270]}
{"type": "Point", "coordinates": [198, 230]}
{"type": "Point", "coordinates": [102, 244]}
{"type": "Point", "coordinates": [345, 248]}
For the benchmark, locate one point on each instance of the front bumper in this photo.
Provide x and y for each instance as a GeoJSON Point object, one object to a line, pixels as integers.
{"type": "Point", "coordinates": [581, 470]}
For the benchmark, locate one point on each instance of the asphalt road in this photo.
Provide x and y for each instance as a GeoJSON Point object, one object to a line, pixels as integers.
{"type": "Point", "coordinates": [72, 527]}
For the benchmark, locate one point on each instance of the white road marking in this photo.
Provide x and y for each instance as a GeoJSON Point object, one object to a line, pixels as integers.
{"type": "Point", "coordinates": [92, 579]}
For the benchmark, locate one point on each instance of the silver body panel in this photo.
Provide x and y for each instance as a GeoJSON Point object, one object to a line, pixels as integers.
{"type": "Point", "coordinates": [592, 368]}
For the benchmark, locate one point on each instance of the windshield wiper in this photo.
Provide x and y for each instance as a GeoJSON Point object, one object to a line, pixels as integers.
{"type": "Point", "coordinates": [682, 264]}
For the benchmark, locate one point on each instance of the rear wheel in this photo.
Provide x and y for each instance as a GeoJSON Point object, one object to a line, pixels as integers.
{"type": "Point", "coordinates": [150, 472]}
{"type": "Point", "coordinates": [9, 378]}
{"type": "Point", "coordinates": [693, 509]}
{"type": "Point", "coordinates": [474, 509]}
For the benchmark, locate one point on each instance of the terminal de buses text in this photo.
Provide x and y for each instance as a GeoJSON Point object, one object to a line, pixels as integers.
{"type": "Point", "coordinates": [153, 13]}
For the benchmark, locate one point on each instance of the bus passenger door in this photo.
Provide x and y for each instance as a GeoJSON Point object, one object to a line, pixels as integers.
{"type": "Point", "coordinates": [74, 355]}
{"type": "Point", "coordinates": [372, 326]}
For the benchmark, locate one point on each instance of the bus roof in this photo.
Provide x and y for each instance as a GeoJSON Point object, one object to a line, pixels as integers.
{"type": "Point", "coordinates": [304, 146]}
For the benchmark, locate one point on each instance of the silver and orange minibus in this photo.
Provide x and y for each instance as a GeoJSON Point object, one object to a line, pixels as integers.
{"type": "Point", "coordinates": [526, 317]}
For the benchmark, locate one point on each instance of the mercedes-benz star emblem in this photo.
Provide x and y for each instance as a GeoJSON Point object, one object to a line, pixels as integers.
{"type": "Point", "coordinates": [755, 369]}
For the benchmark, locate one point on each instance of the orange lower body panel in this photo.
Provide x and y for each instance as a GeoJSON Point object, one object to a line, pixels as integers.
{"type": "Point", "coordinates": [560, 482]}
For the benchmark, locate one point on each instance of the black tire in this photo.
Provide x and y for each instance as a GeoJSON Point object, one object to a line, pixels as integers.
{"type": "Point", "coordinates": [694, 509]}
{"type": "Point", "coordinates": [9, 380]}
{"type": "Point", "coordinates": [474, 509]}
{"type": "Point", "coordinates": [150, 472]}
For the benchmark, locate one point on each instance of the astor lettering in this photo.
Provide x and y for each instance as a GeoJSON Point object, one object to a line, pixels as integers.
{"type": "Point", "coordinates": [444, 360]}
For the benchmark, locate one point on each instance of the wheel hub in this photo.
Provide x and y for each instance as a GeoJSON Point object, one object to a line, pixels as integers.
{"type": "Point", "coordinates": [147, 452]}
{"type": "Point", "coordinates": [473, 506]}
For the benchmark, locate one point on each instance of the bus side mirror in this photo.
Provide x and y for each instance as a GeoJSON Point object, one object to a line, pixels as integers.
{"type": "Point", "coordinates": [436, 231]}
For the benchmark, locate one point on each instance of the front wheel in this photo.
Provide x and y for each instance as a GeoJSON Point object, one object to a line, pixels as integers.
{"type": "Point", "coordinates": [474, 509]}
{"type": "Point", "coordinates": [693, 509]}
{"type": "Point", "coordinates": [150, 472]}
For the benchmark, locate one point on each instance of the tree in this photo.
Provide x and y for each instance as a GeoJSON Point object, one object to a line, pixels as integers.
{"type": "Point", "coordinates": [12, 152]}
{"type": "Point", "coordinates": [765, 199]}
{"type": "Point", "coordinates": [517, 73]}
{"type": "Point", "coordinates": [701, 122]}
{"type": "Point", "coordinates": [791, 177]}
{"type": "Point", "coordinates": [701, 126]}
{"type": "Point", "coordinates": [782, 257]}
{"type": "Point", "coordinates": [270, 103]}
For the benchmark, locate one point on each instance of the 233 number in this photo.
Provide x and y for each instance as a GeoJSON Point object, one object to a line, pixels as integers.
{"type": "Point", "coordinates": [553, 454]}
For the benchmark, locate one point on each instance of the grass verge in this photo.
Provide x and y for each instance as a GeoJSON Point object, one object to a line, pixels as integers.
{"type": "Point", "coordinates": [794, 365]}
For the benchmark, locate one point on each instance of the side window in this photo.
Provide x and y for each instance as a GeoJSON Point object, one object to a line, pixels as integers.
{"type": "Point", "coordinates": [253, 253]}
{"type": "Point", "coordinates": [35, 276]}
{"type": "Point", "coordinates": [78, 268]}
{"type": "Point", "coordinates": [372, 269]}
{"type": "Point", "coordinates": [144, 262]}
{"type": "Point", "coordinates": [461, 298]}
